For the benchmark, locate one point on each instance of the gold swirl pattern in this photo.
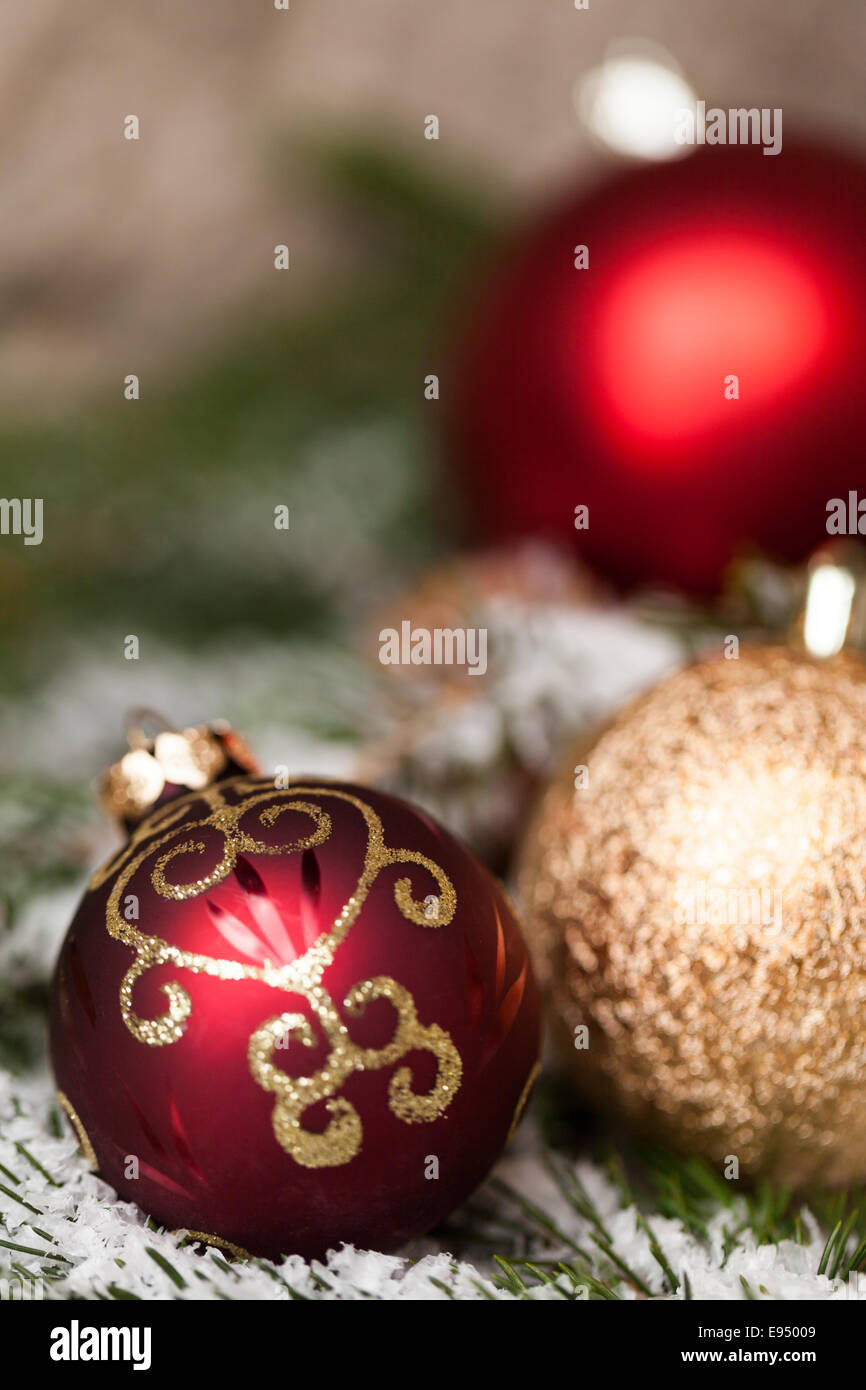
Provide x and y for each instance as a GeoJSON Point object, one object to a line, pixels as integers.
{"type": "Point", "coordinates": [236, 1252]}
{"type": "Point", "coordinates": [84, 1143]}
{"type": "Point", "coordinates": [342, 1138]}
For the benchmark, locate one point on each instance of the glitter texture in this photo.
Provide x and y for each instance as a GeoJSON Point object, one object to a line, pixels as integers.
{"type": "Point", "coordinates": [699, 908]}
{"type": "Point", "coordinates": [216, 1242]}
{"type": "Point", "coordinates": [83, 1141]}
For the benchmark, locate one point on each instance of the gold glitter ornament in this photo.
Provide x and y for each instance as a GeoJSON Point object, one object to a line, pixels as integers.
{"type": "Point", "coordinates": [697, 914]}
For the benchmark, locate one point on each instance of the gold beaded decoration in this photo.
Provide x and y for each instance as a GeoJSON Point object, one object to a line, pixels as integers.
{"type": "Point", "coordinates": [342, 1138]}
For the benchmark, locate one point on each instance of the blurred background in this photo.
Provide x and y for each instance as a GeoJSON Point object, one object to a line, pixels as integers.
{"type": "Point", "coordinates": [302, 388]}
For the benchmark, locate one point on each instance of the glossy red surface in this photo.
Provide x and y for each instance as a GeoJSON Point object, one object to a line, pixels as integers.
{"type": "Point", "coordinates": [191, 1112]}
{"type": "Point", "coordinates": [604, 387]}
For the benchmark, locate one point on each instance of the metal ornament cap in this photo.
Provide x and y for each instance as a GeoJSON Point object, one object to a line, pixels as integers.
{"type": "Point", "coordinates": [168, 762]}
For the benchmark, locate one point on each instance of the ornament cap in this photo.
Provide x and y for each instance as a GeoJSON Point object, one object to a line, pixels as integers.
{"type": "Point", "coordinates": [833, 614]}
{"type": "Point", "coordinates": [164, 762]}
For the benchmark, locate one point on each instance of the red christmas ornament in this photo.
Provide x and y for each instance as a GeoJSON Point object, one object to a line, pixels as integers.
{"type": "Point", "coordinates": [289, 1017]}
{"type": "Point", "coordinates": [611, 387]}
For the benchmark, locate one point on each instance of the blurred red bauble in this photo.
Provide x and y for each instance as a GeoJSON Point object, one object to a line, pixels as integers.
{"type": "Point", "coordinates": [294, 1017]}
{"type": "Point", "coordinates": [605, 387]}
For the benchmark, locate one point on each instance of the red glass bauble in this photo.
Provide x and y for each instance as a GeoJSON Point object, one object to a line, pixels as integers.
{"type": "Point", "coordinates": [609, 387]}
{"type": "Point", "coordinates": [294, 1017]}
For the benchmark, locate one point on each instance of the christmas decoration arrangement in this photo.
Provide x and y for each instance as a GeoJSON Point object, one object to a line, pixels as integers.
{"type": "Point", "coordinates": [142, 1007]}
{"type": "Point", "coordinates": [533, 974]}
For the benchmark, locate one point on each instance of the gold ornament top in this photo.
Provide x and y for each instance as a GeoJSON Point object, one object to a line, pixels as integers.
{"type": "Point", "coordinates": [698, 913]}
{"type": "Point", "coordinates": [161, 764]}
{"type": "Point", "coordinates": [169, 835]}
